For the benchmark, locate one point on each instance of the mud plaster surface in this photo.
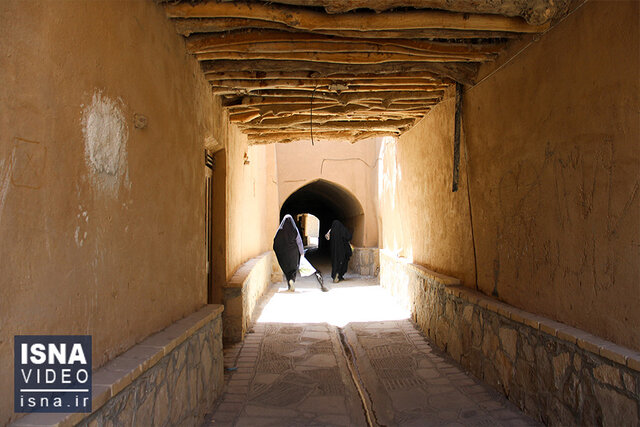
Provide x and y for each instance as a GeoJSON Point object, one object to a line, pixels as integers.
{"type": "Point", "coordinates": [105, 140]}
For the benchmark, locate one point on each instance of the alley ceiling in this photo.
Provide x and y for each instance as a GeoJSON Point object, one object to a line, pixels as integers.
{"type": "Point", "coordinates": [346, 69]}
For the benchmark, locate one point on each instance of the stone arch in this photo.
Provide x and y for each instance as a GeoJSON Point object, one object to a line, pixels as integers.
{"type": "Point", "coordinates": [327, 201]}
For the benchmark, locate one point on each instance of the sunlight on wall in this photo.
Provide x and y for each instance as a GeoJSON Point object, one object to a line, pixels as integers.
{"type": "Point", "coordinates": [389, 187]}
{"type": "Point", "coordinates": [338, 307]}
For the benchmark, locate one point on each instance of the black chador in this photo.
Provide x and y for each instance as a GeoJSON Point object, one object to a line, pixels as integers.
{"type": "Point", "coordinates": [339, 238]}
{"type": "Point", "coordinates": [288, 247]}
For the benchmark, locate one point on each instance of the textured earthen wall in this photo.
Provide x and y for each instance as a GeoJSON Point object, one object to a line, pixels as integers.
{"type": "Point", "coordinates": [252, 200]}
{"type": "Point", "coordinates": [422, 219]}
{"type": "Point", "coordinates": [352, 166]}
{"type": "Point", "coordinates": [242, 292]}
{"type": "Point", "coordinates": [101, 223]}
{"type": "Point", "coordinates": [554, 170]}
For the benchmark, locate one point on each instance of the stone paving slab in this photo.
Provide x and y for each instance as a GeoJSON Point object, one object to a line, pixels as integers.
{"type": "Point", "coordinates": [296, 374]}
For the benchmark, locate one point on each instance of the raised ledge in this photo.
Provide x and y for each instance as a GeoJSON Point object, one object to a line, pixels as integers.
{"type": "Point", "coordinates": [124, 369]}
{"type": "Point", "coordinates": [242, 273]}
{"type": "Point", "coordinates": [586, 341]}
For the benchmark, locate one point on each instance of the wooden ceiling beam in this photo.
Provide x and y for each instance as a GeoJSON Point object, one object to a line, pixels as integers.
{"type": "Point", "coordinates": [462, 72]}
{"type": "Point", "coordinates": [310, 75]}
{"type": "Point", "coordinates": [312, 83]}
{"type": "Point", "coordinates": [270, 40]}
{"type": "Point", "coordinates": [286, 110]}
{"type": "Point", "coordinates": [310, 20]}
{"type": "Point", "coordinates": [239, 90]}
{"type": "Point", "coordinates": [189, 26]}
{"type": "Point", "coordinates": [345, 58]}
{"type": "Point", "coordinates": [348, 98]}
{"type": "Point", "coordinates": [305, 119]}
{"type": "Point", "coordinates": [254, 101]}
{"type": "Point", "coordinates": [287, 137]}
{"type": "Point", "coordinates": [533, 11]}
{"type": "Point", "coordinates": [336, 125]}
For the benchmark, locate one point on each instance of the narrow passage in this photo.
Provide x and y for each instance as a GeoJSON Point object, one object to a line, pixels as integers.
{"type": "Point", "coordinates": [348, 357]}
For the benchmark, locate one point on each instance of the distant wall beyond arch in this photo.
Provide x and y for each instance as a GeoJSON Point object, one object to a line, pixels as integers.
{"type": "Point", "coordinates": [337, 178]}
{"type": "Point", "coordinates": [328, 201]}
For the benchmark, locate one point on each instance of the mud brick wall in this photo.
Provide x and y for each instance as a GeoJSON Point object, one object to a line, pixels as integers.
{"type": "Point", "coordinates": [242, 292]}
{"type": "Point", "coordinates": [365, 262]}
{"type": "Point", "coordinates": [558, 374]}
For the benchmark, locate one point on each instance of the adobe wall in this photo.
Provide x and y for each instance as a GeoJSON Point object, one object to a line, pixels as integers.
{"type": "Point", "coordinates": [554, 172]}
{"type": "Point", "coordinates": [252, 200]}
{"type": "Point", "coordinates": [101, 223]}
{"type": "Point", "coordinates": [352, 166]}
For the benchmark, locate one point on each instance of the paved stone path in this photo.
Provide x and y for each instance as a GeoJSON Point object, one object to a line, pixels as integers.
{"type": "Point", "coordinates": [294, 368]}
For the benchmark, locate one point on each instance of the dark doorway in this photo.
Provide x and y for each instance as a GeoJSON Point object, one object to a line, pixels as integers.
{"type": "Point", "coordinates": [327, 201]}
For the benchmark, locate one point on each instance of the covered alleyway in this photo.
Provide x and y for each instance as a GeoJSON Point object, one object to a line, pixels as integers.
{"type": "Point", "coordinates": [484, 154]}
{"type": "Point", "coordinates": [348, 357]}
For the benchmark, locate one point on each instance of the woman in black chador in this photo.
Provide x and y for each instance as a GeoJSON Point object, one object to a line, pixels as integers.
{"type": "Point", "coordinates": [288, 247]}
{"type": "Point", "coordinates": [339, 238]}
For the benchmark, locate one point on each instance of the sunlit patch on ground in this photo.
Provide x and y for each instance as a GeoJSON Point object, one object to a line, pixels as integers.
{"type": "Point", "coordinates": [353, 300]}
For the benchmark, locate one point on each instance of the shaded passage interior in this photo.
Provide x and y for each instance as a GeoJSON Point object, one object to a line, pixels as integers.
{"type": "Point", "coordinates": [348, 357]}
{"type": "Point", "coordinates": [143, 176]}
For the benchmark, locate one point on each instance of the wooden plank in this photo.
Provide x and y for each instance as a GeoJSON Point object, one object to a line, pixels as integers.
{"type": "Point", "coordinates": [252, 101]}
{"type": "Point", "coordinates": [239, 90]}
{"type": "Point", "coordinates": [326, 83]}
{"type": "Point", "coordinates": [310, 20]}
{"type": "Point", "coordinates": [337, 125]}
{"type": "Point", "coordinates": [286, 137]}
{"type": "Point", "coordinates": [346, 58]}
{"type": "Point", "coordinates": [462, 72]}
{"type": "Point", "coordinates": [534, 11]}
{"type": "Point", "coordinates": [347, 98]}
{"type": "Point", "coordinates": [188, 26]}
{"type": "Point", "coordinates": [384, 99]}
{"type": "Point", "coordinates": [271, 40]}
{"type": "Point", "coordinates": [318, 118]}
{"type": "Point", "coordinates": [310, 75]}
{"type": "Point", "coordinates": [280, 110]}
{"type": "Point", "coordinates": [244, 117]}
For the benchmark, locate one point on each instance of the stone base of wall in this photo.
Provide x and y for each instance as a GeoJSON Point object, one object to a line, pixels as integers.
{"type": "Point", "coordinates": [558, 374]}
{"type": "Point", "coordinates": [170, 379]}
{"type": "Point", "coordinates": [365, 262]}
{"type": "Point", "coordinates": [242, 292]}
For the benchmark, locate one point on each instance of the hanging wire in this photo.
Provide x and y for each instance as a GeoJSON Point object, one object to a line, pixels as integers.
{"type": "Point", "coordinates": [311, 114]}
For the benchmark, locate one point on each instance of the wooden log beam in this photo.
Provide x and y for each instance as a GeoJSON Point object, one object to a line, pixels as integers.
{"type": "Point", "coordinates": [301, 119]}
{"type": "Point", "coordinates": [354, 97]}
{"type": "Point", "coordinates": [305, 119]}
{"type": "Point", "coordinates": [271, 40]}
{"type": "Point", "coordinates": [285, 110]}
{"type": "Point", "coordinates": [457, 71]}
{"type": "Point", "coordinates": [188, 26]}
{"type": "Point", "coordinates": [316, 50]}
{"type": "Point", "coordinates": [288, 137]}
{"type": "Point", "coordinates": [310, 75]}
{"type": "Point", "coordinates": [244, 117]}
{"type": "Point", "coordinates": [340, 57]}
{"type": "Point", "coordinates": [533, 11]}
{"type": "Point", "coordinates": [337, 125]}
{"type": "Point", "coordinates": [310, 20]}
{"type": "Point", "coordinates": [253, 101]}
{"type": "Point", "coordinates": [338, 89]}
{"type": "Point", "coordinates": [369, 84]}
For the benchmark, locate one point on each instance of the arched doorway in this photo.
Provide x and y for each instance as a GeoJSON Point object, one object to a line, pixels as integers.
{"type": "Point", "coordinates": [327, 201]}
